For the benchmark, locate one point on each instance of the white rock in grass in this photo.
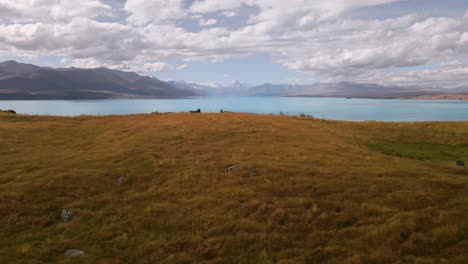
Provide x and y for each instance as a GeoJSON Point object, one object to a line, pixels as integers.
{"type": "Point", "coordinates": [121, 180]}
{"type": "Point", "coordinates": [68, 213]}
{"type": "Point", "coordinates": [232, 168]}
{"type": "Point", "coordinates": [74, 253]}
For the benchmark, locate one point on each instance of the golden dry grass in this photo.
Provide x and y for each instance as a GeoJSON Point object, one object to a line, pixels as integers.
{"type": "Point", "coordinates": [307, 191]}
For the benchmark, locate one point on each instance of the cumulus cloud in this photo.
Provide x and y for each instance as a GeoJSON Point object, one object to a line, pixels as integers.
{"type": "Point", "coordinates": [73, 39]}
{"type": "Point", "coordinates": [145, 11]}
{"type": "Point", "coordinates": [18, 11]}
{"type": "Point", "coordinates": [318, 38]}
{"type": "Point", "coordinates": [156, 67]}
{"type": "Point", "coordinates": [210, 6]}
{"type": "Point", "coordinates": [444, 76]}
{"type": "Point", "coordinates": [138, 66]}
{"type": "Point", "coordinates": [349, 49]}
{"type": "Point", "coordinates": [208, 22]}
{"type": "Point", "coordinates": [229, 14]}
{"type": "Point", "coordinates": [208, 84]}
{"type": "Point", "coordinates": [275, 14]}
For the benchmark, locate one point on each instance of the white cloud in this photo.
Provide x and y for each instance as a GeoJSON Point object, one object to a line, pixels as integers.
{"type": "Point", "coordinates": [145, 11]}
{"type": "Point", "coordinates": [209, 6]}
{"type": "Point", "coordinates": [73, 39]}
{"type": "Point", "coordinates": [19, 11]}
{"type": "Point", "coordinates": [350, 49]}
{"type": "Point", "coordinates": [229, 14]}
{"type": "Point", "coordinates": [143, 68]}
{"type": "Point", "coordinates": [317, 38]}
{"type": "Point", "coordinates": [274, 13]}
{"type": "Point", "coordinates": [444, 76]}
{"type": "Point", "coordinates": [156, 67]}
{"type": "Point", "coordinates": [181, 67]}
{"type": "Point", "coordinates": [208, 84]}
{"type": "Point", "coordinates": [208, 22]}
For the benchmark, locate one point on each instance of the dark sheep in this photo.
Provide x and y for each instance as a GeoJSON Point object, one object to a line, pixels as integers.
{"type": "Point", "coordinates": [460, 163]}
{"type": "Point", "coordinates": [8, 111]}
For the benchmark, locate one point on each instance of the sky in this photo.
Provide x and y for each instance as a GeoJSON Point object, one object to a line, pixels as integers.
{"type": "Point", "coordinates": [390, 42]}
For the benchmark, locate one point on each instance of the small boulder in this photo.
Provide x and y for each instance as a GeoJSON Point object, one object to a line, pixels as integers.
{"type": "Point", "coordinates": [68, 213]}
{"type": "Point", "coordinates": [232, 168]}
{"type": "Point", "coordinates": [74, 253]}
{"type": "Point", "coordinates": [460, 163]}
{"type": "Point", "coordinates": [121, 180]}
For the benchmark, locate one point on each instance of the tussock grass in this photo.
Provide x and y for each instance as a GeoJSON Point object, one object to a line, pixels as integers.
{"type": "Point", "coordinates": [306, 191]}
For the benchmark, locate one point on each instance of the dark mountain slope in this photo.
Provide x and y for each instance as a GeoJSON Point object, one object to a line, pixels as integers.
{"type": "Point", "coordinates": [12, 68]}
{"type": "Point", "coordinates": [32, 82]}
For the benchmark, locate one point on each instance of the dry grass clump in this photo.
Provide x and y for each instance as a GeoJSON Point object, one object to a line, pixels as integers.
{"type": "Point", "coordinates": [304, 191]}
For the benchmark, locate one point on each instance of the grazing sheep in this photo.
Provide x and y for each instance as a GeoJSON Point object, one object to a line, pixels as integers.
{"type": "Point", "coordinates": [8, 111]}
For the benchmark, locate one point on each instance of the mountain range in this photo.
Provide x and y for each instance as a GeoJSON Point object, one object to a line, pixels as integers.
{"type": "Point", "coordinates": [338, 89]}
{"type": "Point", "coordinates": [19, 81]}
{"type": "Point", "coordinates": [236, 88]}
{"type": "Point", "coordinates": [26, 81]}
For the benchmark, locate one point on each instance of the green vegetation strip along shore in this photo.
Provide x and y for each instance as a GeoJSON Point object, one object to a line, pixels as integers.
{"type": "Point", "coordinates": [303, 190]}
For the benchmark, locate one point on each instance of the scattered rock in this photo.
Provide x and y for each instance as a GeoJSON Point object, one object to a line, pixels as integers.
{"type": "Point", "coordinates": [121, 180]}
{"type": "Point", "coordinates": [460, 163]}
{"type": "Point", "coordinates": [69, 213]}
{"type": "Point", "coordinates": [232, 168]}
{"type": "Point", "coordinates": [74, 253]}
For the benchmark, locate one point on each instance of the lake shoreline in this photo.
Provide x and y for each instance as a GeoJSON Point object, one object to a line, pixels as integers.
{"type": "Point", "coordinates": [461, 97]}
{"type": "Point", "coordinates": [322, 108]}
{"type": "Point", "coordinates": [175, 114]}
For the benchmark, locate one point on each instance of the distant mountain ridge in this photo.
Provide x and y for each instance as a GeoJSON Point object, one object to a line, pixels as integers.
{"type": "Point", "coordinates": [340, 89]}
{"type": "Point", "coordinates": [13, 68]}
{"type": "Point", "coordinates": [345, 89]}
{"type": "Point", "coordinates": [19, 81]}
{"type": "Point", "coordinates": [26, 81]}
{"type": "Point", "coordinates": [236, 88]}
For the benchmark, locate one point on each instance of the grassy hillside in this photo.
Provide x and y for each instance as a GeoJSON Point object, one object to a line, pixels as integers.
{"type": "Point", "coordinates": [305, 191]}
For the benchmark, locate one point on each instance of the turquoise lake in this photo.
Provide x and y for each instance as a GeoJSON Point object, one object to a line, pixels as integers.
{"type": "Point", "coordinates": [328, 108]}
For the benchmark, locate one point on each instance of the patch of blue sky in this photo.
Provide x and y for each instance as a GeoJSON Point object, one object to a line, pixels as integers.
{"type": "Point", "coordinates": [256, 69]}
{"type": "Point", "coordinates": [424, 8]}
